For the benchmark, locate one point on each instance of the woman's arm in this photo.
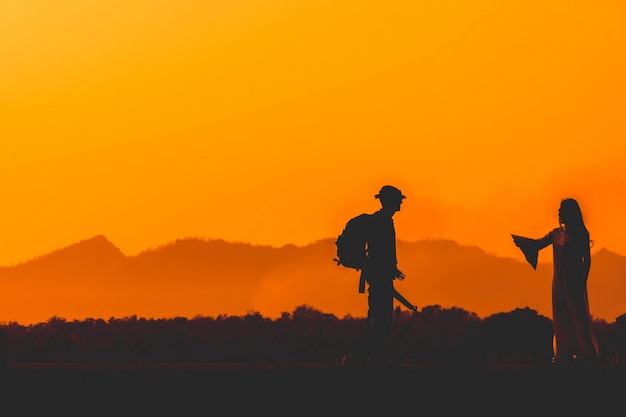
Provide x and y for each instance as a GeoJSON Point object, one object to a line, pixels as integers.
{"type": "Point", "coordinates": [531, 247]}
{"type": "Point", "coordinates": [547, 240]}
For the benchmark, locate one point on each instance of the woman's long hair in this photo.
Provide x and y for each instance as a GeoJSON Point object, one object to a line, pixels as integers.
{"type": "Point", "coordinates": [572, 218]}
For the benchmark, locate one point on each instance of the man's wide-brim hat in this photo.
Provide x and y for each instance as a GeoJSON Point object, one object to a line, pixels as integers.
{"type": "Point", "coordinates": [389, 191]}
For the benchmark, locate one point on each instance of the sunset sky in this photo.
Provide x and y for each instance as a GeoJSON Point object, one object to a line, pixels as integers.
{"type": "Point", "coordinates": [274, 121]}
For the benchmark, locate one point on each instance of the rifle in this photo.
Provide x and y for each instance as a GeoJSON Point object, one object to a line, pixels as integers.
{"type": "Point", "coordinates": [403, 300]}
{"type": "Point", "coordinates": [396, 294]}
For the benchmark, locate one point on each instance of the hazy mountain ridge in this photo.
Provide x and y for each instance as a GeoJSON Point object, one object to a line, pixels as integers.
{"type": "Point", "coordinates": [193, 276]}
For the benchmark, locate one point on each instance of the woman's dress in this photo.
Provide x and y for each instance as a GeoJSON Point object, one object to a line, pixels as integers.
{"type": "Point", "coordinates": [574, 337]}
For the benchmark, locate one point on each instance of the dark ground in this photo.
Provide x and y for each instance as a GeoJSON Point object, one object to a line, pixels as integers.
{"type": "Point", "coordinates": [327, 390]}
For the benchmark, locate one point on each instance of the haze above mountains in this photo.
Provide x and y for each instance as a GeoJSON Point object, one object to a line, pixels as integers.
{"type": "Point", "coordinates": [192, 276]}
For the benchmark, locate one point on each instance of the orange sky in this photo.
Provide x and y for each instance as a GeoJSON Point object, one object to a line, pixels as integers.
{"type": "Point", "coordinates": [274, 121]}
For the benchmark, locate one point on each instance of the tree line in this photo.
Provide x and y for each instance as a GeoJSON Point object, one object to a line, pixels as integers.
{"type": "Point", "coordinates": [434, 335]}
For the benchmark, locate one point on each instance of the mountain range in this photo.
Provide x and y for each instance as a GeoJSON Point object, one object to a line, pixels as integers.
{"type": "Point", "coordinates": [198, 277]}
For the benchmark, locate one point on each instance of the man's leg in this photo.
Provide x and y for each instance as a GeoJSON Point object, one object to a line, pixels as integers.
{"type": "Point", "coordinates": [381, 306]}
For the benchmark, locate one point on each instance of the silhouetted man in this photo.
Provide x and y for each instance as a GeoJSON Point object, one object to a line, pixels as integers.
{"type": "Point", "coordinates": [380, 271]}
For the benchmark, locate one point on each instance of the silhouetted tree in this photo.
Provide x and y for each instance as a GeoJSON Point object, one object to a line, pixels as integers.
{"type": "Point", "coordinates": [433, 335]}
{"type": "Point", "coordinates": [520, 336]}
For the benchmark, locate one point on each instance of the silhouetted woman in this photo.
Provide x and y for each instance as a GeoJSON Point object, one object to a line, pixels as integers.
{"type": "Point", "coordinates": [574, 338]}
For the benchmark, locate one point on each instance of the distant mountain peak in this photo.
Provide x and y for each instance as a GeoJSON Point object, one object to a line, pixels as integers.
{"type": "Point", "coordinates": [96, 247]}
{"type": "Point", "coordinates": [97, 241]}
{"type": "Point", "coordinates": [607, 251]}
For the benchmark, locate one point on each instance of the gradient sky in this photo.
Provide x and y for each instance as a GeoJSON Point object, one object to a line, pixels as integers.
{"type": "Point", "coordinates": [274, 121]}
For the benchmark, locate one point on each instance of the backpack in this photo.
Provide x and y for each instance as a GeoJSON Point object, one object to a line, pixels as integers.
{"type": "Point", "coordinates": [352, 243]}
